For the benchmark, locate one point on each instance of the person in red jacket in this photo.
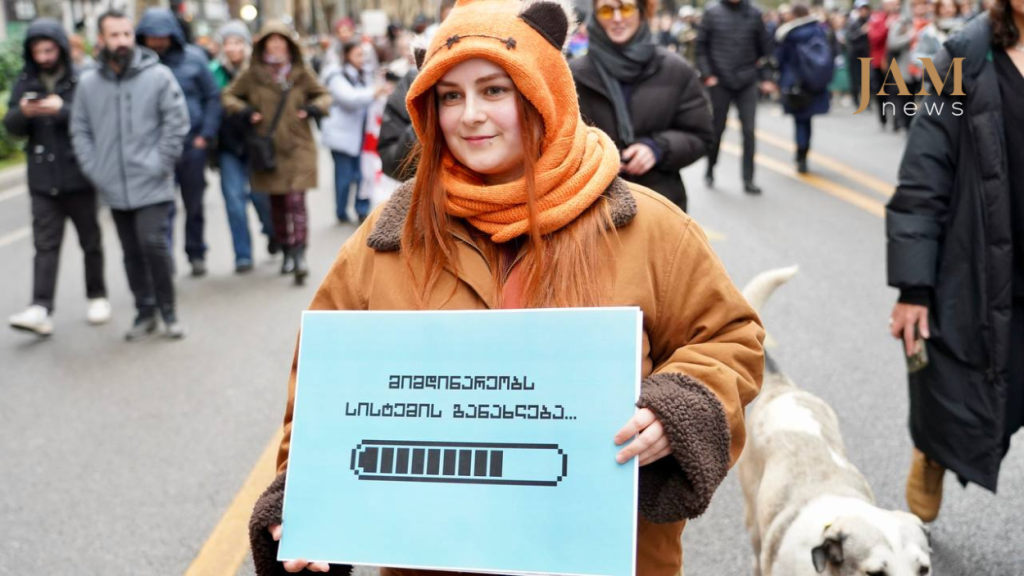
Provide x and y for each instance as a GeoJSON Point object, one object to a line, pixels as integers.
{"type": "Point", "coordinates": [878, 39]}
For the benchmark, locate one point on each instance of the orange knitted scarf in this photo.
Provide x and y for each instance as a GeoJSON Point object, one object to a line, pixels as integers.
{"type": "Point", "coordinates": [577, 163]}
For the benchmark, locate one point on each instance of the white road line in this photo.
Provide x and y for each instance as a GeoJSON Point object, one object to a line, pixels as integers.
{"type": "Point", "coordinates": [15, 236]}
{"type": "Point", "coordinates": [8, 194]}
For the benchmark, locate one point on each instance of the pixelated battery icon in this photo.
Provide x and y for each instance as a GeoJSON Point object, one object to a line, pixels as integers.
{"type": "Point", "coordinates": [460, 462]}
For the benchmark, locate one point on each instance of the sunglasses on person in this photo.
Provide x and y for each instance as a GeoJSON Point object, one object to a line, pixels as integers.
{"type": "Point", "coordinates": [608, 12]}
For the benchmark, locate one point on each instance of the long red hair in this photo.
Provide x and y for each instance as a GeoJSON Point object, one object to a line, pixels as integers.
{"type": "Point", "coordinates": [565, 268]}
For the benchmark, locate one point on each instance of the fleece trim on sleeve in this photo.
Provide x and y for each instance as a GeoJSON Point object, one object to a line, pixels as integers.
{"type": "Point", "coordinates": [681, 487]}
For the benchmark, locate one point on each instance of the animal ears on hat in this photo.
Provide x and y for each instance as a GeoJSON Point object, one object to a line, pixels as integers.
{"type": "Point", "coordinates": [552, 19]}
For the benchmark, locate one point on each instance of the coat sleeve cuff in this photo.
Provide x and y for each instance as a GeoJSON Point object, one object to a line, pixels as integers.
{"type": "Point", "coordinates": [917, 296]}
{"type": "Point", "coordinates": [314, 112]}
{"type": "Point", "coordinates": [656, 148]}
{"type": "Point", "coordinates": [266, 513]}
{"type": "Point", "coordinates": [681, 487]}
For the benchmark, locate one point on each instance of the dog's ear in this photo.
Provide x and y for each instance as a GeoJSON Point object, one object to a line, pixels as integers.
{"type": "Point", "coordinates": [829, 552]}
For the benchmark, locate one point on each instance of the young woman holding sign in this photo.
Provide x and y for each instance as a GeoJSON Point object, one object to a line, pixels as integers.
{"type": "Point", "coordinates": [518, 204]}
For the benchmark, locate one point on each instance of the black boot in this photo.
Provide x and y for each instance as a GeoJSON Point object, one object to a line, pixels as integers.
{"type": "Point", "coordinates": [288, 263]}
{"type": "Point", "coordinates": [301, 268]}
{"type": "Point", "coordinates": [801, 160]}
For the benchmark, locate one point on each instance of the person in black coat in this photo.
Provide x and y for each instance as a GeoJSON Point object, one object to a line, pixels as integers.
{"type": "Point", "coordinates": [955, 231]}
{"type": "Point", "coordinates": [397, 137]}
{"type": "Point", "coordinates": [39, 109]}
{"type": "Point", "coordinates": [645, 97]}
{"type": "Point", "coordinates": [733, 50]}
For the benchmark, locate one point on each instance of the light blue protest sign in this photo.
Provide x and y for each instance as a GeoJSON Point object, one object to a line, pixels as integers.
{"type": "Point", "coordinates": [476, 441]}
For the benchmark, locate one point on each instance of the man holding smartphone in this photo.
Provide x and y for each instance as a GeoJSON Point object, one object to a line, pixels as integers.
{"type": "Point", "coordinates": [39, 109]}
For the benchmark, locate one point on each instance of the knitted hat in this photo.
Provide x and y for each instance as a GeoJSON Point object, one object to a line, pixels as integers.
{"type": "Point", "coordinates": [235, 28]}
{"type": "Point", "coordinates": [577, 163]}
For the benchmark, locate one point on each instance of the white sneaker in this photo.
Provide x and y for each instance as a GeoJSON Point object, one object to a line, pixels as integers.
{"type": "Point", "coordinates": [99, 311]}
{"type": "Point", "coordinates": [36, 320]}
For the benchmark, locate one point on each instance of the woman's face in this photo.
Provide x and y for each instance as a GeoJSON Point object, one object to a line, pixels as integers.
{"type": "Point", "coordinates": [619, 19]}
{"type": "Point", "coordinates": [1018, 7]}
{"type": "Point", "coordinates": [479, 116]}
{"type": "Point", "coordinates": [356, 57]}
{"type": "Point", "coordinates": [277, 47]}
{"type": "Point", "coordinates": [234, 49]}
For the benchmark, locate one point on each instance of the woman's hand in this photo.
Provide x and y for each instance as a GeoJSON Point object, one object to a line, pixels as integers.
{"type": "Point", "coordinates": [905, 317]}
{"type": "Point", "coordinates": [638, 159]}
{"type": "Point", "coordinates": [297, 565]}
{"type": "Point", "coordinates": [650, 444]}
{"type": "Point", "coordinates": [256, 118]}
{"type": "Point", "coordinates": [302, 114]}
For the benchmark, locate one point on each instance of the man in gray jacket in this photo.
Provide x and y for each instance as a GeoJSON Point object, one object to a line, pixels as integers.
{"type": "Point", "coordinates": [128, 127]}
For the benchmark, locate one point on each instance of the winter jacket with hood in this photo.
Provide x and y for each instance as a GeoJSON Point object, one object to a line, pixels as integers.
{"type": "Point", "coordinates": [255, 90]}
{"type": "Point", "coordinates": [734, 45]}
{"type": "Point", "coordinates": [344, 129]}
{"type": "Point", "coordinates": [788, 38]}
{"type": "Point", "coordinates": [52, 166]}
{"type": "Point", "coordinates": [129, 131]}
{"type": "Point", "coordinates": [190, 66]}
{"type": "Point", "coordinates": [950, 238]}
{"type": "Point", "coordinates": [669, 112]}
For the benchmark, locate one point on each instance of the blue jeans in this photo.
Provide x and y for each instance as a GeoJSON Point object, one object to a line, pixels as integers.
{"type": "Point", "coordinates": [346, 173]}
{"type": "Point", "coordinates": [190, 175]}
{"type": "Point", "coordinates": [803, 134]}
{"type": "Point", "coordinates": [234, 184]}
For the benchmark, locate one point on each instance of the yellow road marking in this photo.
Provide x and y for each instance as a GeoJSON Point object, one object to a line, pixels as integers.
{"type": "Point", "coordinates": [868, 181]}
{"type": "Point", "coordinates": [226, 548]}
{"type": "Point", "coordinates": [859, 200]}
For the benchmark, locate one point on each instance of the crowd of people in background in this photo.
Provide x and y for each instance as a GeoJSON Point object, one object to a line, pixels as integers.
{"type": "Point", "coordinates": [248, 108]}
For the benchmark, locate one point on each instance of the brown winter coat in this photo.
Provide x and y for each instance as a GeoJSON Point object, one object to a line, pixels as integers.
{"type": "Point", "coordinates": [254, 90]}
{"type": "Point", "coordinates": [702, 347]}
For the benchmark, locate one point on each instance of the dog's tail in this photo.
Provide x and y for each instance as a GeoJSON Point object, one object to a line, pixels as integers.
{"type": "Point", "coordinates": [757, 293]}
{"type": "Point", "coordinates": [764, 284]}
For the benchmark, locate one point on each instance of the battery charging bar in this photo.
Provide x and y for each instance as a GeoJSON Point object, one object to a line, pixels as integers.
{"type": "Point", "coordinates": [460, 462]}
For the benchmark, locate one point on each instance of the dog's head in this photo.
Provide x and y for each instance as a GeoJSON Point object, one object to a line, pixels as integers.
{"type": "Point", "coordinates": [887, 543]}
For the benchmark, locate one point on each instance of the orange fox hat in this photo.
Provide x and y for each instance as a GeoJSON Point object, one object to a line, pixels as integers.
{"type": "Point", "coordinates": [577, 163]}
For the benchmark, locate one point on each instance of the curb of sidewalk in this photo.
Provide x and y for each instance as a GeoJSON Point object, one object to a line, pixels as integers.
{"type": "Point", "coordinates": [13, 176]}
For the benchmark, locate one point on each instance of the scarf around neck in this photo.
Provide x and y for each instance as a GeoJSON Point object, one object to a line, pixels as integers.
{"type": "Point", "coordinates": [570, 175]}
{"type": "Point", "coordinates": [278, 67]}
{"type": "Point", "coordinates": [617, 64]}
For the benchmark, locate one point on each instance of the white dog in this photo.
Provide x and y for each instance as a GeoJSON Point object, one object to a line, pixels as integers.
{"type": "Point", "coordinates": [808, 509]}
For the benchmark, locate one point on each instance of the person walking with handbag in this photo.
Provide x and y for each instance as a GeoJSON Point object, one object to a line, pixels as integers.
{"type": "Point", "coordinates": [280, 94]}
{"type": "Point", "coordinates": [231, 153]}
{"type": "Point", "coordinates": [806, 64]}
{"type": "Point", "coordinates": [343, 131]}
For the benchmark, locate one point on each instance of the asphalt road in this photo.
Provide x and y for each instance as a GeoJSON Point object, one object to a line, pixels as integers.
{"type": "Point", "coordinates": [122, 459]}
